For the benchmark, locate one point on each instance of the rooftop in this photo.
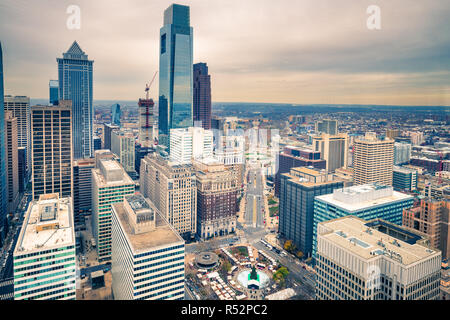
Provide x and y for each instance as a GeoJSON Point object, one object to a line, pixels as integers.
{"type": "Point", "coordinates": [356, 235]}
{"type": "Point", "coordinates": [110, 172]}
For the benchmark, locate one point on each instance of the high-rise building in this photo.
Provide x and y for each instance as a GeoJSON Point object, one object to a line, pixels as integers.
{"type": "Point", "coordinates": [404, 178]}
{"type": "Point", "coordinates": [3, 196]}
{"type": "Point", "coordinates": [375, 260]}
{"type": "Point", "coordinates": [12, 168]}
{"type": "Point", "coordinates": [53, 88]}
{"type": "Point", "coordinates": [97, 143]}
{"type": "Point", "coordinates": [108, 129]}
{"type": "Point", "coordinates": [175, 72]}
{"type": "Point", "coordinates": [51, 149]}
{"type": "Point", "coordinates": [373, 160]}
{"type": "Point", "coordinates": [140, 153]}
{"type": "Point", "coordinates": [369, 201]}
{"type": "Point", "coordinates": [20, 107]}
{"type": "Point", "coordinates": [172, 188]}
{"type": "Point", "coordinates": [327, 126]}
{"type": "Point", "coordinates": [75, 83]}
{"type": "Point", "coordinates": [123, 145]}
{"type": "Point", "coordinates": [333, 149]}
{"type": "Point", "coordinates": [217, 191]}
{"type": "Point", "coordinates": [82, 188]}
{"type": "Point", "coordinates": [229, 148]}
{"type": "Point", "coordinates": [147, 253]}
{"type": "Point", "coordinates": [116, 113]}
{"type": "Point", "coordinates": [432, 218]}
{"type": "Point", "coordinates": [44, 256]}
{"type": "Point", "coordinates": [22, 168]}
{"type": "Point", "coordinates": [146, 122]}
{"type": "Point", "coordinates": [190, 143]}
{"type": "Point", "coordinates": [402, 153]}
{"type": "Point", "coordinates": [392, 133]}
{"type": "Point", "coordinates": [110, 184]}
{"type": "Point", "coordinates": [297, 191]}
{"type": "Point", "coordinates": [202, 95]}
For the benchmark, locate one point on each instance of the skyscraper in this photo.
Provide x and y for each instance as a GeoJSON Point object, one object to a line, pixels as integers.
{"type": "Point", "coordinates": [327, 126]}
{"type": "Point", "coordinates": [333, 149]}
{"type": "Point", "coordinates": [3, 197]}
{"type": "Point", "coordinates": [12, 168]}
{"type": "Point", "coordinates": [108, 129]}
{"type": "Point", "coordinates": [202, 95]}
{"type": "Point", "coordinates": [82, 188]}
{"type": "Point", "coordinates": [75, 83]}
{"type": "Point", "coordinates": [123, 145]}
{"type": "Point", "coordinates": [115, 114]}
{"type": "Point", "coordinates": [146, 122]}
{"type": "Point", "coordinates": [51, 149]}
{"type": "Point", "coordinates": [53, 88]}
{"type": "Point", "coordinates": [190, 143]}
{"type": "Point", "coordinates": [175, 72]}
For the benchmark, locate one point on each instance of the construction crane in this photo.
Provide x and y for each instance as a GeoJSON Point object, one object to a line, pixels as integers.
{"type": "Point", "coordinates": [147, 86]}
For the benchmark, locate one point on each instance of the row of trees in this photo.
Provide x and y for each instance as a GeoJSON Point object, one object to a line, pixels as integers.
{"type": "Point", "coordinates": [289, 246]}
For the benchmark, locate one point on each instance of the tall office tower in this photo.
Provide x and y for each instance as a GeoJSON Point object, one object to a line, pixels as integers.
{"type": "Point", "coordinates": [116, 113]}
{"type": "Point", "coordinates": [202, 95]}
{"type": "Point", "coordinates": [110, 184]}
{"type": "Point", "coordinates": [97, 143]}
{"type": "Point", "coordinates": [51, 149]}
{"type": "Point", "coordinates": [147, 253]}
{"type": "Point", "coordinates": [373, 160]}
{"type": "Point", "coordinates": [146, 122]}
{"type": "Point", "coordinates": [217, 191]}
{"type": "Point", "coordinates": [20, 107]}
{"type": "Point", "coordinates": [175, 72]}
{"type": "Point", "coordinates": [22, 168]}
{"type": "Point", "coordinates": [123, 145]}
{"type": "Point", "coordinates": [375, 260]}
{"type": "Point", "coordinates": [333, 149]}
{"type": "Point", "coordinates": [327, 126]}
{"type": "Point", "coordinates": [190, 143]}
{"type": "Point", "coordinates": [3, 185]}
{"type": "Point", "coordinates": [416, 137]}
{"type": "Point", "coordinates": [44, 256]}
{"type": "Point", "coordinates": [140, 153]}
{"type": "Point", "coordinates": [369, 201]}
{"type": "Point", "coordinates": [12, 168]}
{"type": "Point", "coordinates": [404, 178]}
{"type": "Point", "coordinates": [82, 189]}
{"type": "Point", "coordinates": [75, 83]}
{"type": "Point", "coordinates": [172, 188]}
{"type": "Point", "coordinates": [402, 153]}
{"type": "Point", "coordinates": [292, 157]}
{"type": "Point", "coordinates": [297, 191]}
{"type": "Point", "coordinates": [53, 88]}
{"type": "Point", "coordinates": [432, 218]}
{"type": "Point", "coordinates": [392, 133]}
{"type": "Point", "coordinates": [108, 129]}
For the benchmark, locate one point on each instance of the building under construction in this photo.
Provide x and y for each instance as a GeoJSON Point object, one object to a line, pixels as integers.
{"type": "Point", "coordinates": [146, 119]}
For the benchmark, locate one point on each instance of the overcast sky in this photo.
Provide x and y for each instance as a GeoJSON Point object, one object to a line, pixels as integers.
{"type": "Point", "coordinates": [293, 51]}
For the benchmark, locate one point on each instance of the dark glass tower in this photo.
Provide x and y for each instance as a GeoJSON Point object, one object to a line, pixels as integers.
{"type": "Point", "coordinates": [115, 114]}
{"type": "Point", "coordinates": [53, 87]}
{"type": "Point", "coordinates": [202, 95]}
{"type": "Point", "coordinates": [75, 83]}
{"type": "Point", "coordinates": [175, 72]}
{"type": "Point", "coordinates": [3, 199]}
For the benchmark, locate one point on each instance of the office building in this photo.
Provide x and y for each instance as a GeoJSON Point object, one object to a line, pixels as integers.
{"type": "Point", "coordinates": [229, 148]}
{"type": "Point", "coordinates": [296, 207]}
{"type": "Point", "coordinates": [116, 113]}
{"type": "Point", "coordinates": [217, 191]}
{"type": "Point", "coordinates": [108, 129]}
{"type": "Point", "coordinates": [75, 83]}
{"type": "Point", "coordinates": [3, 185]}
{"type": "Point", "coordinates": [82, 188]}
{"type": "Point", "coordinates": [375, 260]}
{"type": "Point", "coordinates": [110, 184]}
{"type": "Point", "coordinates": [333, 149]}
{"type": "Point", "coordinates": [404, 179]}
{"type": "Point", "coordinates": [326, 126]}
{"type": "Point", "coordinates": [146, 122]}
{"type": "Point", "coordinates": [140, 153]}
{"type": "Point", "coordinates": [123, 145]}
{"type": "Point", "coordinates": [44, 256]}
{"type": "Point", "coordinates": [97, 143]}
{"type": "Point", "coordinates": [147, 255]}
{"type": "Point", "coordinates": [392, 133]}
{"type": "Point", "coordinates": [431, 217]}
{"type": "Point", "coordinates": [22, 168]}
{"type": "Point", "coordinates": [202, 95]}
{"type": "Point", "coordinates": [373, 160]}
{"type": "Point", "coordinates": [175, 72]}
{"type": "Point", "coordinates": [53, 88]}
{"type": "Point", "coordinates": [416, 137]}
{"type": "Point", "coordinates": [292, 157]}
{"type": "Point", "coordinates": [12, 168]}
{"type": "Point", "coordinates": [51, 149]}
{"type": "Point", "coordinates": [20, 107]}
{"type": "Point", "coordinates": [369, 201]}
{"type": "Point", "coordinates": [402, 153]}
{"type": "Point", "coordinates": [172, 188]}
{"type": "Point", "coordinates": [190, 143]}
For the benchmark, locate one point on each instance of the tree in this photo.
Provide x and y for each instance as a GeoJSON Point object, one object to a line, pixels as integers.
{"type": "Point", "coordinates": [288, 245]}
{"type": "Point", "coordinates": [226, 266]}
{"type": "Point", "coordinates": [299, 254]}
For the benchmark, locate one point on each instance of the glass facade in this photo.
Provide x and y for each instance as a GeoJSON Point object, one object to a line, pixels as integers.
{"type": "Point", "coordinates": [3, 199]}
{"type": "Point", "coordinates": [75, 79]}
{"type": "Point", "coordinates": [53, 86]}
{"type": "Point", "coordinates": [175, 72]}
{"type": "Point", "coordinates": [115, 114]}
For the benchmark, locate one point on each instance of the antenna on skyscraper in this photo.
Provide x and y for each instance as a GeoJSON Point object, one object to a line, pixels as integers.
{"type": "Point", "coordinates": [147, 86]}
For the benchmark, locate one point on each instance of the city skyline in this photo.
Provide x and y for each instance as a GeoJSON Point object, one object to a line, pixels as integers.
{"type": "Point", "coordinates": [320, 54]}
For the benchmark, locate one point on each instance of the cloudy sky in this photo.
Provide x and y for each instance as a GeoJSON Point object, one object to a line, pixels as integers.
{"type": "Point", "coordinates": [293, 51]}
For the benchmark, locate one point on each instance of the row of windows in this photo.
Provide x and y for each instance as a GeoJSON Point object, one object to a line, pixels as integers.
{"type": "Point", "coordinates": [36, 266]}
{"type": "Point", "coordinates": [160, 287]}
{"type": "Point", "coordinates": [155, 258]}
{"type": "Point", "coordinates": [42, 252]}
{"type": "Point", "coordinates": [158, 269]}
{"type": "Point", "coordinates": [158, 251]}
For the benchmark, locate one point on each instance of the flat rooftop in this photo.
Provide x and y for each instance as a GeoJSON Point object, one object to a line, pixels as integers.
{"type": "Point", "coordinates": [162, 235]}
{"type": "Point", "coordinates": [118, 175]}
{"type": "Point", "coordinates": [354, 234]}
{"type": "Point", "coordinates": [33, 235]}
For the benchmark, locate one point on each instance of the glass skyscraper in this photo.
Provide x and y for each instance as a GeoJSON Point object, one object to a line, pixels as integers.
{"type": "Point", "coordinates": [115, 114]}
{"type": "Point", "coordinates": [3, 199]}
{"type": "Point", "coordinates": [75, 83]}
{"type": "Point", "coordinates": [53, 87]}
{"type": "Point", "coordinates": [175, 72]}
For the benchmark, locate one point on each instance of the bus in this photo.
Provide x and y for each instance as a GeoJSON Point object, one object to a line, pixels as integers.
{"type": "Point", "coordinates": [260, 266]}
